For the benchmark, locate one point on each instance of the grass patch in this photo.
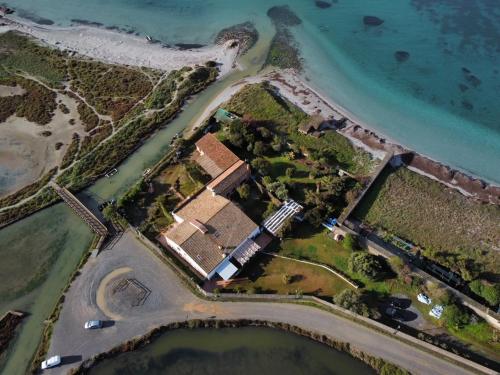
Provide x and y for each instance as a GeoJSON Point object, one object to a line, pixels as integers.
{"type": "Point", "coordinates": [451, 227]}
{"type": "Point", "coordinates": [265, 274]}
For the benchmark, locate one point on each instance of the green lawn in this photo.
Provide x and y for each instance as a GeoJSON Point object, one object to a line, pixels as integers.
{"type": "Point", "coordinates": [265, 274]}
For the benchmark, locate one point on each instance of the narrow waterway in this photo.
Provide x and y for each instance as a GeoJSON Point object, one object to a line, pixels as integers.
{"type": "Point", "coordinates": [240, 351]}
{"type": "Point", "coordinates": [40, 252]}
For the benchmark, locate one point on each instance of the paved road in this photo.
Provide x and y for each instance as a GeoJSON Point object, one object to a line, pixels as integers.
{"type": "Point", "coordinates": [169, 301]}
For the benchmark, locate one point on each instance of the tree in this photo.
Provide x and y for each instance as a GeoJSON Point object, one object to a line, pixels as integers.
{"type": "Point", "coordinates": [352, 300]}
{"type": "Point", "coordinates": [285, 229]}
{"type": "Point", "coordinates": [243, 191]}
{"type": "Point", "coordinates": [277, 144]}
{"type": "Point", "coordinates": [264, 132]}
{"type": "Point", "coordinates": [491, 293]}
{"type": "Point", "coordinates": [350, 242]}
{"type": "Point", "coordinates": [266, 181]}
{"type": "Point", "coordinates": [367, 265]}
{"type": "Point", "coordinates": [314, 216]}
{"type": "Point", "coordinates": [281, 192]}
{"type": "Point", "coordinates": [110, 212]}
{"type": "Point", "coordinates": [259, 148]}
{"type": "Point", "coordinates": [271, 207]}
{"type": "Point", "coordinates": [261, 165]}
{"type": "Point", "coordinates": [455, 316]}
{"type": "Point", "coordinates": [289, 172]}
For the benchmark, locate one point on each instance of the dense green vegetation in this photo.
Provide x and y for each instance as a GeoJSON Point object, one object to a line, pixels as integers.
{"type": "Point", "coordinates": [20, 54]}
{"type": "Point", "coordinates": [489, 292]}
{"type": "Point", "coordinates": [71, 151]}
{"type": "Point", "coordinates": [45, 198]}
{"type": "Point", "coordinates": [28, 190]}
{"type": "Point", "coordinates": [37, 104]}
{"type": "Point", "coordinates": [111, 89]}
{"type": "Point", "coordinates": [95, 137]}
{"type": "Point", "coordinates": [453, 230]}
{"type": "Point", "coordinates": [88, 117]}
{"type": "Point", "coordinates": [163, 94]}
{"type": "Point", "coordinates": [261, 107]}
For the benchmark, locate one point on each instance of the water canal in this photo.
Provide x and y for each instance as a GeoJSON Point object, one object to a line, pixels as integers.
{"type": "Point", "coordinates": [232, 351]}
{"type": "Point", "coordinates": [40, 252]}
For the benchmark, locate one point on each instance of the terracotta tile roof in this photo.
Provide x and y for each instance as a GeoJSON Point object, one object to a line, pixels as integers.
{"type": "Point", "coordinates": [227, 227]}
{"type": "Point", "coordinates": [202, 207]}
{"type": "Point", "coordinates": [230, 178]}
{"type": "Point", "coordinates": [214, 150]}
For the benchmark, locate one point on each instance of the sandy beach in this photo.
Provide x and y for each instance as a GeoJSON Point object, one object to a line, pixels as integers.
{"type": "Point", "coordinates": [121, 48]}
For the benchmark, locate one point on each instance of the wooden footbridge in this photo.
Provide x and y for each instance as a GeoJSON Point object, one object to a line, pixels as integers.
{"type": "Point", "coordinates": [79, 208]}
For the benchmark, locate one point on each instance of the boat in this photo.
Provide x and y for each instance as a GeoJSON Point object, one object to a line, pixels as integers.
{"type": "Point", "coordinates": [112, 172]}
{"type": "Point", "coordinates": [149, 39]}
{"type": "Point", "coordinates": [146, 172]}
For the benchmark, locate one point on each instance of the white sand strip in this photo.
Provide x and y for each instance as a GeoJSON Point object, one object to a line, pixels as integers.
{"type": "Point", "coordinates": [120, 48]}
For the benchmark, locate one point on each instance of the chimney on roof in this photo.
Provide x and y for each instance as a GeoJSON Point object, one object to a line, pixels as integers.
{"type": "Point", "coordinates": [195, 223]}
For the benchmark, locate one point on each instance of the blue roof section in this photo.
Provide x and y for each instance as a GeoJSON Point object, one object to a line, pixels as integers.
{"type": "Point", "coordinates": [227, 269]}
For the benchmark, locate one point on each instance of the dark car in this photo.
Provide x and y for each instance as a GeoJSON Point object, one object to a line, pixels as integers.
{"type": "Point", "coordinates": [397, 304]}
{"type": "Point", "coordinates": [393, 313]}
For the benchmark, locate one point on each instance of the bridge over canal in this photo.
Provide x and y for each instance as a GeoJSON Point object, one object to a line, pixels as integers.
{"type": "Point", "coordinates": [79, 208]}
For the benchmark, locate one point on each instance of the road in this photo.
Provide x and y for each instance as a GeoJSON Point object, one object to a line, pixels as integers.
{"type": "Point", "coordinates": [98, 293]}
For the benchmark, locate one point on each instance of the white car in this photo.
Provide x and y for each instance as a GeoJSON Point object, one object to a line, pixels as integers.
{"type": "Point", "coordinates": [436, 311]}
{"type": "Point", "coordinates": [51, 362]}
{"type": "Point", "coordinates": [424, 299]}
{"type": "Point", "coordinates": [93, 324]}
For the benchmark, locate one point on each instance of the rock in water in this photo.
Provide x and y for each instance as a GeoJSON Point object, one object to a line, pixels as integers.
{"type": "Point", "coordinates": [283, 16]}
{"type": "Point", "coordinates": [401, 56]}
{"type": "Point", "coordinates": [323, 4]}
{"type": "Point", "coordinates": [372, 21]}
{"type": "Point", "coordinates": [245, 33]}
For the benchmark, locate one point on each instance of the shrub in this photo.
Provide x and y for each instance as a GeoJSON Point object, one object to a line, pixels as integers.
{"type": "Point", "coordinates": [390, 369]}
{"type": "Point", "coordinates": [87, 116]}
{"type": "Point", "coordinates": [491, 293]}
{"type": "Point", "coordinates": [259, 148]}
{"type": "Point", "coordinates": [261, 165]}
{"type": "Point", "coordinates": [70, 153]}
{"type": "Point", "coordinates": [350, 242]}
{"type": "Point", "coordinates": [352, 300]}
{"type": "Point", "coordinates": [455, 316]}
{"type": "Point", "coordinates": [243, 191]}
{"type": "Point", "coordinates": [367, 265]}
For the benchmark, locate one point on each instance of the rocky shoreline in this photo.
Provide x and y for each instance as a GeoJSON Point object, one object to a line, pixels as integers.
{"type": "Point", "coordinates": [300, 93]}
{"type": "Point", "coordinates": [378, 364]}
{"type": "Point", "coordinates": [244, 33]}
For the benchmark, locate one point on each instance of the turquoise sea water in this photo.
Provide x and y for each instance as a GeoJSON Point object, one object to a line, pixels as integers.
{"type": "Point", "coordinates": [443, 101]}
